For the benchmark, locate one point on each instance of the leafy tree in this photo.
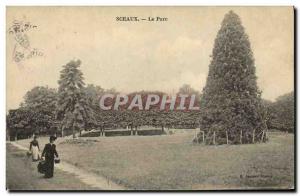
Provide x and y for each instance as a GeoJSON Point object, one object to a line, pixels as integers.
{"type": "Point", "coordinates": [37, 112]}
{"type": "Point", "coordinates": [231, 99]}
{"type": "Point", "coordinates": [101, 118]}
{"type": "Point", "coordinates": [41, 101]}
{"type": "Point", "coordinates": [19, 122]}
{"type": "Point", "coordinates": [73, 108]}
{"type": "Point", "coordinates": [282, 113]}
{"type": "Point", "coordinates": [188, 90]}
{"type": "Point", "coordinates": [40, 97]}
{"type": "Point", "coordinates": [93, 94]}
{"type": "Point", "coordinates": [188, 119]}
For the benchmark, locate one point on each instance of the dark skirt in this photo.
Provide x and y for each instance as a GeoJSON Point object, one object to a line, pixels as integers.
{"type": "Point", "coordinates": [49, 167]}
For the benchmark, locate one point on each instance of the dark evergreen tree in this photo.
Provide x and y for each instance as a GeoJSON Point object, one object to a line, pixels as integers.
{"type": "Point", "coordinates": [73, 109]}
{"type": "Point", "coordinates": [231, 100]}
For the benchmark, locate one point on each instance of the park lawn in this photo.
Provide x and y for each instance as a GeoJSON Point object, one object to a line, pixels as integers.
{"type": "Point", "coordinates": [174, 162]}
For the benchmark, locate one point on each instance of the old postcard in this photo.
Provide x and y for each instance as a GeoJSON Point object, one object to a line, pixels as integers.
{"type": "Point", "coordinates": [150, 98]}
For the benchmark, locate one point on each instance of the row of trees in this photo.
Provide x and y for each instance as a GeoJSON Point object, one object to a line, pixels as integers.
{"type": "Point", "coordinates": [74, 107]}
{"type": "Point", "coordinates": [40, 113]}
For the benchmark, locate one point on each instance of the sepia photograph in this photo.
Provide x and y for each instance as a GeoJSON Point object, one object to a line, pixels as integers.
{"type": "Point", "coordinates": [150, 98]}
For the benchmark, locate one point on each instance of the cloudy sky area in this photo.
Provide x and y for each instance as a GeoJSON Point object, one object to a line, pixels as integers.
{"type": "Point", "coordinates": [131, 56]}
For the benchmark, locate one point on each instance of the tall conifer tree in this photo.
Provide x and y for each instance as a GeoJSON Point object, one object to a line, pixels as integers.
{"type": "Point", "coordinates": [72, 108]}
{"type": "Point", "coordinates": [231, 99]}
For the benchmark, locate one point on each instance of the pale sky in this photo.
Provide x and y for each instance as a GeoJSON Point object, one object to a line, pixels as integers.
{"type": "Point", "coordinates": [132, 56]}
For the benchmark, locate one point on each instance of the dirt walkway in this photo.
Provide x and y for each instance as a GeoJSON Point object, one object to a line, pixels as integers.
{"type": "Point", "coordinates": [88, 178]}
{"type": "Point", "coordinates": [21, 174]}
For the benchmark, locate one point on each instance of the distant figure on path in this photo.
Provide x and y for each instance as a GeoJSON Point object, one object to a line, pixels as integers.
{"type": "Point", "coordinates": [49, 152]}
{"type": "Point", "coordinates": [35, 149]}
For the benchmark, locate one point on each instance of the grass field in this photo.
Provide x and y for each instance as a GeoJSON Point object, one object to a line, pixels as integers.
{"type": "Point", "coordinates": [174, 162]}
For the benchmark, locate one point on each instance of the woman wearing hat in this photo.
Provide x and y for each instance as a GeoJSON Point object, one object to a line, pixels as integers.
{"type": "Point", "coordinates": [49, 152]}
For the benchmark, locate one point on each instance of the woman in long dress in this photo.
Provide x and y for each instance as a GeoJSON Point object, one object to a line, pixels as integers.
{"type": "Point", "coordinates": [49, 153]}
{"type": "Point", "coordinates": [35, 149]}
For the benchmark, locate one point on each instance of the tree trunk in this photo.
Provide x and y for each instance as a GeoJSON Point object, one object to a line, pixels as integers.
{"type": "Point", "coordinates": [227, 137]}
{"type": "Point", "coordinates": [262, 136]}
{"type": "Point", "coordinates": [16, 136]}
{"type": "Point", "coordinates": [241, 136]}
{"type": "Point", "coordinates": [8, 134]}
{"type": "Point", "coordinates": [62, 131]}
{"type": "Point", "coordinates": [73, 131]}
{"type": "Point", "coordinates": [214, 138]}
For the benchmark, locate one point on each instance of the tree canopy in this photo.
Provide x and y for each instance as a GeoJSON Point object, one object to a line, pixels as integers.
{"type": "Point", "coordinates": [36, 113]}
{"type": "Point", "coordinates": [281, 113]}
